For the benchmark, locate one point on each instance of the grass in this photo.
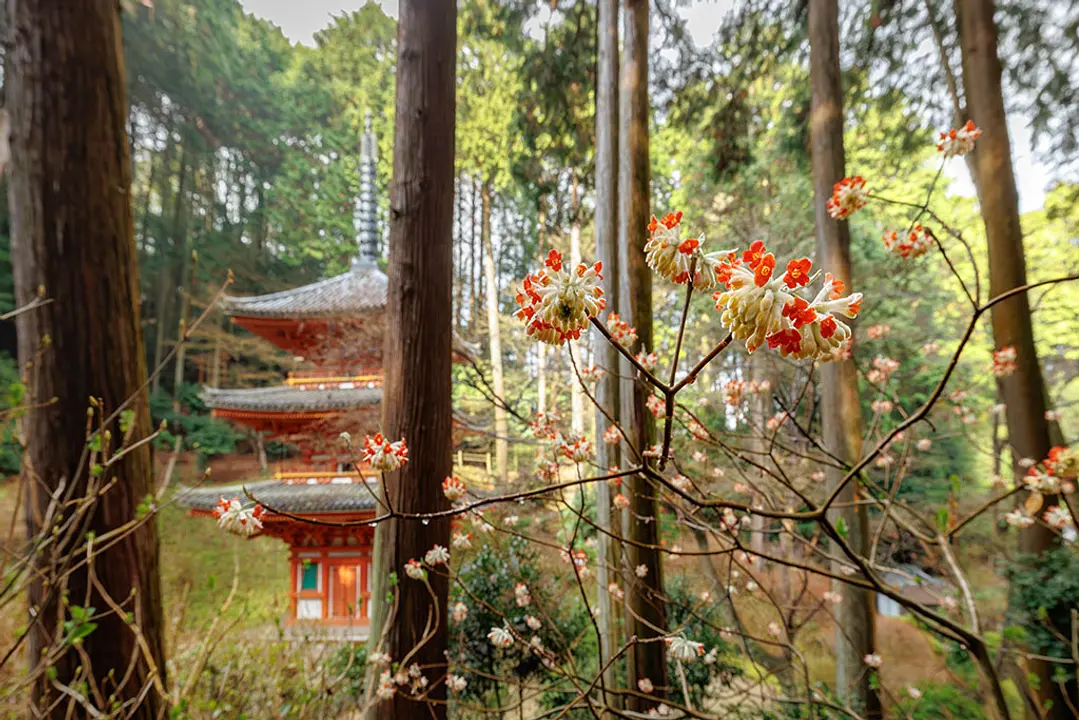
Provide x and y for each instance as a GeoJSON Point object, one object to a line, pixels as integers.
{"type": "Point", "coordinates": [198, 564]}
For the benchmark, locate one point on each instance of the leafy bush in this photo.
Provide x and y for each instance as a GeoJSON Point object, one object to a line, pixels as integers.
{"type": "Point", "coordinates": [491, 573]}
{"type": "Point", "coordinates": [199, 430]}
{"type": "Point", "coordinates": [699, 622]}
{"type": "Point", "coordinates": [939, 702]}
{"type": "Point", "coordinates": [12, 396]}
{"type": "Point", "coordinates": [1044, 589]}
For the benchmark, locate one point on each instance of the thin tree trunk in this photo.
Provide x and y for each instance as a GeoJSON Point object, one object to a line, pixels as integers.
{"type": "Point", "coordinates": [419, 342]}
{"type": "Point", "coordinates": [473, 265]}
{"type": "Point", "coordinates": [241, 202]}
{"type": "Point", "coordinates": [260, 230]}
{"type": "Point", "coordinates": [840, 410]}
{"type": "Point", "coordinates": [647, 617]}
{"type": "Point", "coordinates": [260, 449]}
{"type": "Point", "coordinates": [181, 241]}
{"type": "Point", "coordinates": [576, 395]}
{"type": "Point", "coordinates": [494, 336]}
{"type": "Point", "coordinates": [459, 256]}
{"type": "Point", "coordinates": [606, 355]}
{"type": "Point", "coordinates": [541, 348]}
{"type": "Point", "coordinates": [215, 371]}
{"type": "Point", "coordinates": [73, 234]}
{"type": "Point", "coordinates": [145, 212]}
{"type": "Point", "coordinates": [760, 405]}
{"type": "Point", "coordinates": [161, 314]}
{"type": "Point", "coordinates": [1023, 391]}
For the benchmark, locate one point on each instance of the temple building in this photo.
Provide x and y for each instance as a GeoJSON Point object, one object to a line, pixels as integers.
{"type": "Point", "coordinates": [336, 325]}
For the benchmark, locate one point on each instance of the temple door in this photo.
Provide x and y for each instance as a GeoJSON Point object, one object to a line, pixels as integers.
{"type": "Point", "coordinates": [343, 586]}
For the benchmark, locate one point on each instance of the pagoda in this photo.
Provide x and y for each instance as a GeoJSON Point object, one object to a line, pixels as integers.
{"type": "Point", "coordinates": [336, 325]}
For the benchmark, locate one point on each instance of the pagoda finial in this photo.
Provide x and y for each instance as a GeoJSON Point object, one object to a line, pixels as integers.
{"type": "Point", "coordinates": [368, 219]}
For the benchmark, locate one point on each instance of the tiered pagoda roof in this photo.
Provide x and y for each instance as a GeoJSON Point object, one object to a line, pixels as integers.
{"type": "Point", "coordinates": [291, 398]}
{"type": "Point", "coordinates": [300, 497]}
{"type": "Point", "coordinates": [360, 290]}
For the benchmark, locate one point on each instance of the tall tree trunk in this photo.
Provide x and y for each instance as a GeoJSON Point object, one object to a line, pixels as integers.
{"type": "Point", "coordinates": [144, 213]}
{"type": "Point", "coordinates": [473, 264]}
{"type": "Point", "coordinates": [760, 405]}
{"type": "Point", "coordinates": [458, 257]}
{"type": "Point", "coordinates": [1024, 391]}
{"type": "Point", "coordinates": [606, 356]}
{"type": "Point", "coordinates": [419, 341]}
{"type": "Point", "coordinates": [576, 395]}
{"type": "Point", "coordinates": [841, 417]}
{"type": "Point", "coordinates": [645, 596]}
{"type": "Point", "coordinates": [541, 348]}
{"type": "Point", "coordinates": [72, 234]}
{"type": "Point", "coordinates": [187, 289]}
{"type": "Point", "coordinates": [260, 227]}
{"type": "Point", "coordinates": [161, 315]}
{"type": "Point", "coordinates": [494, 336]}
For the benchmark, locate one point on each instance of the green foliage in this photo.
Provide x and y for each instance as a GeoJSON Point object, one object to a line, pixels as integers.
{"type": "Point", "coordinates": [939, 701]}
{"type": "Point", "coordinates": [490, 575]}
{"type": "Point", "coordinates": [199, 430]}
{"type": "Point", "coordinates": [1044, 589]}
{"type": "Point", "coordinates": [349, 663]}
{"type": "Point", "coordinates": [699, 622]}
{"type": "Point", "coordinates": [12, 397]}
{"type": "Point", "coordinates": [79, 625]}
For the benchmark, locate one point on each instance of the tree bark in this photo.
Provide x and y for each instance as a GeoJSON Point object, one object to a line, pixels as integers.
{"type": "Point", "coordinates": [606, 356]}
{"type": "Point", "coordinates": [418, 346]}
{"type": "Point", "coordinates": [576, 395]}
{"type": "Point", "coordinates": [459, 257]}
{"type": "Point", "coordinates": [760, 405]}
{"type": "Point", "coordinates": [541, 348]}
{"type": "Point", "coordinates": [73, 235]}
{"type": "Point", "coordinates": [1023, 391]}
{"type": "Point", "coordinates": [161, 314]}
{"type": "Point", "coordinates": [473, 264]}
{"type": "Point", "coordinates": [646, 618]}
{"type": "Point", "coordinates": [494, 336]}
{"type": "Point", "coordinates": [840, 410]}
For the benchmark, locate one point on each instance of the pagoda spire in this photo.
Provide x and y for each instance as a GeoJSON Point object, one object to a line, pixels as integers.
{"type": "Point", "coordinates": [367, 238]}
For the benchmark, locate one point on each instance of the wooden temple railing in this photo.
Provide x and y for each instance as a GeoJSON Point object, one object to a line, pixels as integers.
{"type": "Point", "coordinates": [319, 377]}
{"type": "Point", "coordinates": [317, 475]}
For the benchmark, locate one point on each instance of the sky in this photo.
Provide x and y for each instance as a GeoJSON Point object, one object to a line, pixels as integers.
{"type": "Point", "coordinates": [301, 19]}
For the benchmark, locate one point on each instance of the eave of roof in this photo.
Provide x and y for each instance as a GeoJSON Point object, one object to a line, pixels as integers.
{"type": "Point", "coordinates": [285, 398]}
{"type": "Point", "coordinates": [298, 498]}
{"type": "Point", "coordinates": [360, 290]}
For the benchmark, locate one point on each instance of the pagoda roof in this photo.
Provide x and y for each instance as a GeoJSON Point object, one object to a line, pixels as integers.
{"type": "Point", "coordinates": [298, 498]}
{"type": "Point", "coordinates": [361, 289]}
{"type": "Point", "coordinates": [287, 398]}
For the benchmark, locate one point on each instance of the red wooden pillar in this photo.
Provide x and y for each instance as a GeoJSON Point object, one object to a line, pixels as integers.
{"type": "Point", "coordinates": [294, 565]}
{"type": "Point", "coordinates": [325, 566]}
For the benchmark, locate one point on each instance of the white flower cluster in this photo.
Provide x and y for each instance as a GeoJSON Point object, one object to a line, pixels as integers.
{"type": "Point", "coordinates": [232, 516]}
{"type": "Point", "coordinates": [557, 302]}
{"type": "Point", "coordinates": [760, 308]}
{"type": "Point", "coordinates": [671, 257]}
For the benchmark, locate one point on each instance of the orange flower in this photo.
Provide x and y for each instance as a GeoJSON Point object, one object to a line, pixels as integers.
{"type": "Point", "coordinates": [837, 286]}
{"type": "Point", "coordinates": [763, 271]}
{"type": "Point", "coordinates": [671, 219]}
{"type": "Point", "coordinates": [788, 341]}
{"type": "Point", "coordinates": [828, 327]}
{"type": "Point", "coordinates": [798, 273]}
{"type": "Point", "coordinates": [755, 254]}
{"type": "Point", "coordinates": [799, 312]}
{"type": "Point", "coordinates": [689, 245]}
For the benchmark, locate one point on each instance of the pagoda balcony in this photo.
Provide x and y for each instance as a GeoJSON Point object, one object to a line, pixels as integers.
{"type": "Point", "coordinates": [320, 379]}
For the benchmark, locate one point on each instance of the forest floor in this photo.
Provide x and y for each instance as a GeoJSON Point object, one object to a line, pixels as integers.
{"type": "Point", "coordinates": [200, 564]}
